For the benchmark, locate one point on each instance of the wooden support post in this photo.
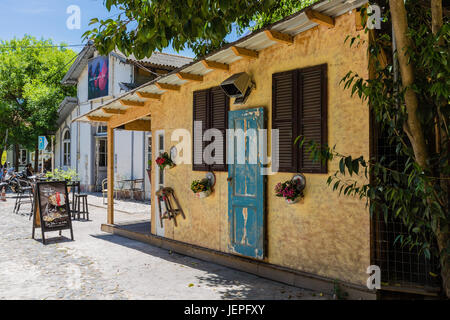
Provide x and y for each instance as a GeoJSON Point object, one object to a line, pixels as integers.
{"type": "Point", "coordinates": [148, 95]}
{"type": "Point", "coordinates": [215, 65]}
{"type": "Point", "coordinates": [320, 18]}
{"type": "Point", "coordinates": [166, 86]}
{"type": "Point", "coordinates": [189, 76]}
{"type": "Point", "coordinates": [113, 111]}
{"type": "Point", "coordinates": [131, 103]}
{"type": "Point", "coordinates": [110, 175]}
{"type": "Point", "coordinates": [245, 53]}
{"type": "Point", "coordinates": [279, 37]}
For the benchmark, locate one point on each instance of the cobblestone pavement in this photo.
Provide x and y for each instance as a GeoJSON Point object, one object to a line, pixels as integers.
{"type": "Point", "coordinates": [98, 265]}
{"type": "Point", "coordinates": [124, 206]}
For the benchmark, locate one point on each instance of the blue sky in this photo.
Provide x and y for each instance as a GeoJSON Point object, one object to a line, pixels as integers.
{"type": "Point", "coordinates": [47, 19]}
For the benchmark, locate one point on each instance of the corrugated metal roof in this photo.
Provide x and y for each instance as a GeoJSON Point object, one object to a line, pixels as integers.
{"type": "Point", "coordinates": [258, 40]}
{"type": "Point", "coordinates": [65, 108]}
{"type": "Point", "coordinates": [161, 59]}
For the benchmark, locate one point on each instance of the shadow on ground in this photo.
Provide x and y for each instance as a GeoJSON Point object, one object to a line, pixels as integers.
{"type": "Point", "coordinates": [229, 283]}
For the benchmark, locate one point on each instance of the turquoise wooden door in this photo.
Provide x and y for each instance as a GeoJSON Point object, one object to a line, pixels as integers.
{"type": "Point", "coordinates": [246, 183]}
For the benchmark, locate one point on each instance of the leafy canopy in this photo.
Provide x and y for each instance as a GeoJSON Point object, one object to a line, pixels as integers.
{"type": "Point", "coordinates": [144, 26]}
{"type": "Point", "coordinates": [30, 88]}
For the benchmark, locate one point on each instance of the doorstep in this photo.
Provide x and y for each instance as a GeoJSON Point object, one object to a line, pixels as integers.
{"type": "Point", "coordinates": [263, 269]}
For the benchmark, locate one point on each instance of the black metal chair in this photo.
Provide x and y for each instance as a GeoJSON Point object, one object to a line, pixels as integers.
{"type": "Point", "coordinates": [24, 196]}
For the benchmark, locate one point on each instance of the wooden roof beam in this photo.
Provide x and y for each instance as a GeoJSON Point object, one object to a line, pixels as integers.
{"type": "Point", "coordinates": [166, 86]}
{"type": "Point", "coordinates": [190, 76]}
{"type": "Point", "coordinates": [245, 53]}
{"type": "Point", "coordinates": [97, 119]}
{"type": "Point", "coordinates": [138, 125]}
{"type": "Point", "coordinates": [215, 65]}
{"type": "Point", "coordinates": [148, 95]}
{"type": "Point", "coordinates": [320, 18]}
{"type": "Point", "coordinates": [113, 111]}
{"type": "Point", "coordinates": [279, 37]}
{"type": "Point", "coordinates": [131, 103]}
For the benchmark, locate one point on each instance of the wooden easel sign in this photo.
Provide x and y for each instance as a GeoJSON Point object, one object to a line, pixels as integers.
{"type": "Point", "coordinates": [51, 209]}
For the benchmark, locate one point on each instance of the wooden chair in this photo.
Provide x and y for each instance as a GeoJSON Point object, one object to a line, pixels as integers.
{"type": "Point", "coordinates": [166, 195]}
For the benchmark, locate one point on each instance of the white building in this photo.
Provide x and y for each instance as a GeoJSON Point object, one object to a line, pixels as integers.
{"type": "Point", "coordinates": [82, 146]}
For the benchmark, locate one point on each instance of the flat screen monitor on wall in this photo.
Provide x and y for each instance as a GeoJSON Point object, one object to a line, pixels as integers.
{"type": "Point", "coordinates": [98, 78]}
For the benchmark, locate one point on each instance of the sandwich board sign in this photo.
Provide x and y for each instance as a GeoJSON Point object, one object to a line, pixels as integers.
{"type": "Point", "coordinates": [51, 208]}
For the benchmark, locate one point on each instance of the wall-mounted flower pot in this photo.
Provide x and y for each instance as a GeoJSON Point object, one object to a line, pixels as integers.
{"type": "Point", "coordinates": [201, 195]}
{"type": "Point", "coordinates": [289, 201]}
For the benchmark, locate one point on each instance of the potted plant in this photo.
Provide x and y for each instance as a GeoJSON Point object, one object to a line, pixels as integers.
{"type": "Point", "coordinates": [62, 175]}
{"type": "Point", "coordinates": [290, 190]}
{"type": "Point", "coordinates": [68, 175]}
{"type": "Point", "coordinates": [201, 188]}
{"type": "Point", "coordinates": [164, 160]}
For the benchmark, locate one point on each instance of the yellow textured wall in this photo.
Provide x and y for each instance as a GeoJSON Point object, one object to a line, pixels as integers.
{"type": "Point", "coordinates": [323, 234]}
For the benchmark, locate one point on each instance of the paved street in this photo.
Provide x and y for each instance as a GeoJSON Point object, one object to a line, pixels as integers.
{"type": "Point", "coordinates": [98, 265]}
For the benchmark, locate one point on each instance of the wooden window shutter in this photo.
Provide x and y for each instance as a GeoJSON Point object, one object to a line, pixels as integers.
{"type": "Point", "coordinates": [200, 114]}
{"type": "Point", "coordinates": [284, 113]}
{"type": "Point", "coordinates": [219, 107]}
{"type": "Point", "coordinates": [312, 115]}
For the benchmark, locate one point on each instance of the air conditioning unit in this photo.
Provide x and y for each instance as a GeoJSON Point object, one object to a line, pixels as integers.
{"type": "Point", "coordinates": [238, 86]}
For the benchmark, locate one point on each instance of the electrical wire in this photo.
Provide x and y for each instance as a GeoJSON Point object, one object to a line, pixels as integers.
{"type": "Point", "coordinates": [40, 47]}
{"type": "Point", "coordinates": [62, 68]}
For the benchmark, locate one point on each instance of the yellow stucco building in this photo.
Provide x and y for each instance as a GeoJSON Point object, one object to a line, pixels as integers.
{"type": "Point", "coordinates": [323, 237]}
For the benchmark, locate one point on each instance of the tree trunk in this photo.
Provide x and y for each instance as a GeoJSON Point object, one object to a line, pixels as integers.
{"type": "Point", "coordinates": [36, 158]}
{"type": "Point", "coordinates": [413, 127]}
{"type": "Point", "coordinates": [16, 157]}
{"type": "Point", "coordinates": [442, 147]}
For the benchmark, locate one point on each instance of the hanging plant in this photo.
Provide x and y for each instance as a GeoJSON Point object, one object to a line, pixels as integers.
{"type": "Point", "coordinates": [201, 188]}
{"type": "Point", "coordinates": [290, 190]}
{"type": "Point", "coordinates": [164, 160]}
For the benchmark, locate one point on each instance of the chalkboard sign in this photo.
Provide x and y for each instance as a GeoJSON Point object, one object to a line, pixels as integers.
{"type": "Point", "coordinates": [51, 208]}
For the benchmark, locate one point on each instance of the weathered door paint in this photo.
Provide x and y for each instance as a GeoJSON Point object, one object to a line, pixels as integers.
{"type": "Point", "coordinates": [246, 184]}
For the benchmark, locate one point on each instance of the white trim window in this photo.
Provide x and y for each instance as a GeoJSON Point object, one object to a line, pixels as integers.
{"type": "Point", "coordinates": [102, 129]}
{"type": "Point", "coordinates": [66, 147]}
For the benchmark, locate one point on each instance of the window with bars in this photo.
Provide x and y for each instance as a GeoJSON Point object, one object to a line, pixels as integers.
{"type": "Point", "coordinates": [299, 108]}
{"type": "Point", "coordinates": [210, 107]}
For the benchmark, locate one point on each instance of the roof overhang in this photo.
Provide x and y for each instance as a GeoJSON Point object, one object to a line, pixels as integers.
{"type": "Point", "coordinates": [71, 77]}
{"type": "Point", "coordinates": [65, 108]}
{"type": "Point", "coordinates": [282, 31]}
